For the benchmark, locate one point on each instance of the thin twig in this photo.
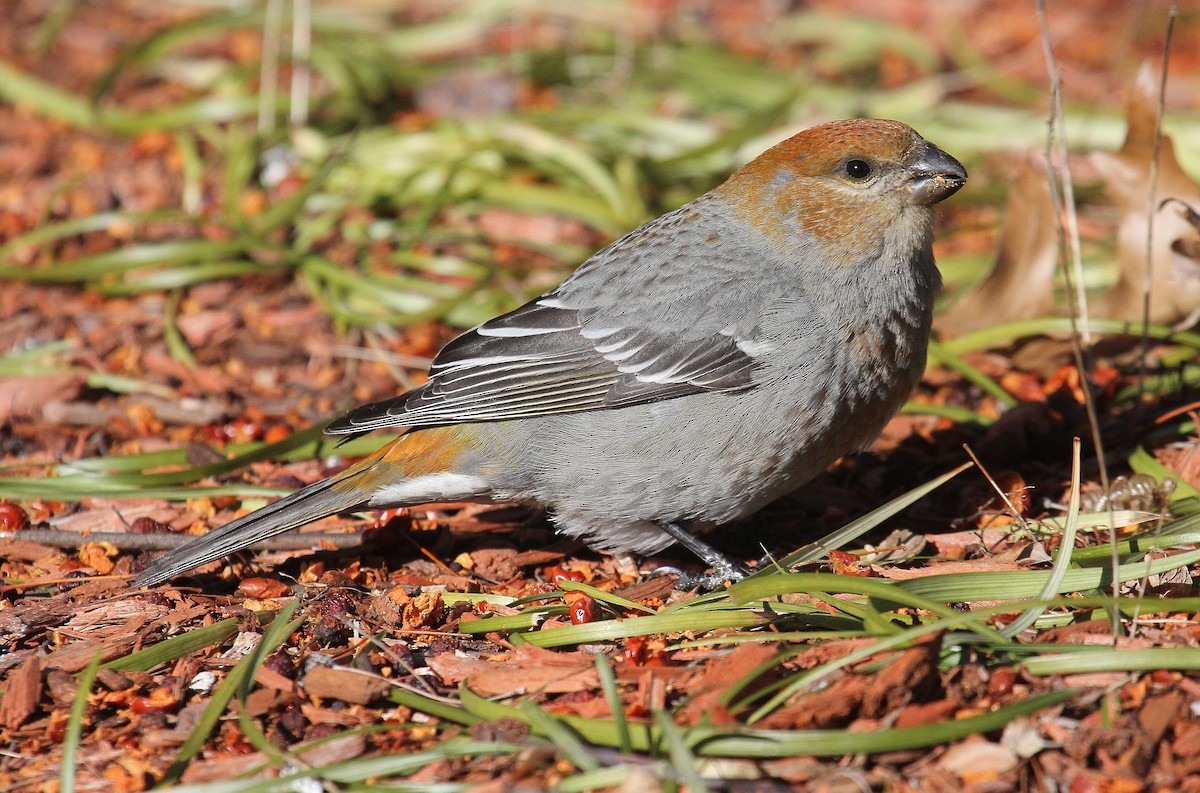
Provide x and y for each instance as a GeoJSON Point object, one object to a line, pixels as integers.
{"type": "Point", "coordinates": [1151, 204]}
{"type": "Point", "coordinates": [268, 78]}
{"type": "Point", "coordinates": [1151, 213]}
{"type": "Point", "coordinates": [999, 490]}
{"type": "Point", "coordinates": [301, 53]}
{"type": "Point", "coordinates": [164, 542]}
{"type": "Point", "coordinates": [1064, 201]}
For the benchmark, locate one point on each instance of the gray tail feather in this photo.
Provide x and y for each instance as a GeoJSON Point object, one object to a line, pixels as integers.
{"type": "Point", "coordinates": [314, 502]}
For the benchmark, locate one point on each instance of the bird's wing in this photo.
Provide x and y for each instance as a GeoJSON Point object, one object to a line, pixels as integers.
{"type": "Point", "coordinates": [551, 357]}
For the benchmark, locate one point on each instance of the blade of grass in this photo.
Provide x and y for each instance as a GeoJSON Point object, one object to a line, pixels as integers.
{"type": "Point", "coordinates": [24, 90]}
{"type": "Point", "coordinates": [956, 363]}
{"type": "Point", "coordinates": [1004, 334]}
{"type": "Point", "coordinates": [598, 732]}
{"type": "Point", "coordinates": [560, 735]}
{"type": "Point", "coordinates": [352, 774]}
{"type": "Point", "coordinates": [177, 346]}
{"type": "Point", "coordinates": [121, 384]}
{"type": "Point", "coordinates": [237, 680]}
{"type": "Point", "coordinates": [173, 37]}
{"type": "Point", "coordinates": [1114, 659]}
{"type": "Point", "coordinates": [860, 526]}
{"type": "Point", "coordinates": [74, 729]}
{"type": "Point", "coordinates": [608, 684]}
{"type": "Point", "coordinates": [604, 597]}
{"type": "Point", "coordinates": [683, 762]}
{"type": "Point", "coordinates": [177, 647]}
{"type": "Point", "coordinates": [1061, 561]}
{"type": "Point", "coordinates": [604, 779]}
{"type": "Point", "coordinates": [624, 628]}
{"type": "Point", "coordinates": [130, 257]}
{"type": "Point", "coordinates": [880, 590]}
{"type": "Point", "coordinates": [78, 488]}
{"type": "Point", "coordinates": [749, 743]}
{"type": "Point", "coordinates": [1016, 585]}
{"type": "Point", "coordinates": [445, 711]}
{"type": "Point", "coordinates": [958, 415]}
{"type": "Point", "coordinates": [180, 275]}
{"type": "Point", "coordinates": [50, 232]}
{"type": "Point", "coordinates": [772, 743]}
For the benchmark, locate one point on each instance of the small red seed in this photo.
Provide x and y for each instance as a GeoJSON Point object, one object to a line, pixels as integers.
{"type": "Point", "coordinates": [12, 517]}
{"type": "Point", "coordinates": [581, 606]}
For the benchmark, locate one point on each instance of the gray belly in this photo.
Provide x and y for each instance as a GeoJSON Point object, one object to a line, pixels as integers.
{"type": "Point", "coordinates": [609, 476]}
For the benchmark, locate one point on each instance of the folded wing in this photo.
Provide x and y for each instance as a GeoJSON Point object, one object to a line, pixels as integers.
{"type": "Point", "coordinates": [550, 357]}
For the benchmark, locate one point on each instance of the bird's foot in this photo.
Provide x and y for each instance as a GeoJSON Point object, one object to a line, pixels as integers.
{"type": "Point", "coordinates": [711, 581]}
{"type": "Point", "coordinates": [723, 568]}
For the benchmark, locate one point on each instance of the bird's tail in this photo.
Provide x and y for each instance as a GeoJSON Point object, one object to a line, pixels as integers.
{"type": "Point", "coordinates": [314, 502]}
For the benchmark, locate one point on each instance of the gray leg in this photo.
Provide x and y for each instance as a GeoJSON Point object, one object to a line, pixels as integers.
{"type": "Point", "coordinates": [723, 568]}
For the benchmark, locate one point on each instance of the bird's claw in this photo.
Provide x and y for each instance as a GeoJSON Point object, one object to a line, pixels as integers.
{"type": "Point", "coordinates": [714, 580]}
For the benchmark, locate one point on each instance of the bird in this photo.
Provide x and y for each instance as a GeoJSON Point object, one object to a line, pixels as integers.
{"type": "Point", "coordinates": [694, 370]}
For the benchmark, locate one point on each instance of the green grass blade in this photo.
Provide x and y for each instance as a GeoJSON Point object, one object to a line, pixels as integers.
{"type": "Point", "coordinates": [445, 711]}
{"type": "Point", "coordinates": [560, 735]}
{"type": "Point", "coordinates": [1143, 463]}
{"type": "Point", "coordinates": [956, 363]}
{"type": "Point", "coordinates": [1113, 659]}
{"type": "Point", "coordinates": [608, 684]}
{"type": "Point", "coordinates": [176, 647]}
{"type": "Point", "coordinates": [860, 526]}
{"type": "Point", "coordinates": [642, 737]}
{"type": "Point", "coordinates": [1062, 560]}
{"type": "Point", "coordinates": [604, 597]}
{"type": "Point", "coordinates": [826, 743]}
{"type": "Point", "coordinates": [750, 743]}
{"type": "Point", "coordinates": [74, 730]}
{"type": "Point", "coordinates": [131, 257]}
{"type": "Point", "coordinates": [237, 680]}
{"type": "Point", "coordinates": [683, 761]}
{"type": "Point", "coordinates": [608, 630]}
{"type": "Point", "coordinates": [1017, 585]}
{"type": "Point", "coordinates": [1004, 334]}
{"type": "Point", "coordinates": [24, 90]}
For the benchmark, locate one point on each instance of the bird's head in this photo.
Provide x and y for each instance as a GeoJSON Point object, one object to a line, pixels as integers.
{"type": "Point", "coordinates": [851, 186]}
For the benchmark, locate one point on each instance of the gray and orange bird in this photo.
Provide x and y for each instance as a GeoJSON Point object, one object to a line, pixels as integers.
{"type": "Point", "coordinates": [694, 370]}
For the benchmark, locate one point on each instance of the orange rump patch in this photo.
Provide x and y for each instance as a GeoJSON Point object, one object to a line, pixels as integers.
{"type": "Point", "coordinates": [428, 451]}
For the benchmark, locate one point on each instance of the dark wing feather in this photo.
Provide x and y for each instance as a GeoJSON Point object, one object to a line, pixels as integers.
{"type": "Point", "coordinates": [540, 360]}
{"type": "Point", "coordinates": [663, 312]}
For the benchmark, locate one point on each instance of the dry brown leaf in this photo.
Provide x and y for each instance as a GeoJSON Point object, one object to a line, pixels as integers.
{"type": "Point", "coordinates": [25, 395]}
{"type": "Point", "coordinates": [942, 568]}
{"type": "Point", "coordinates": [913, 673]}
{"type": "Point", "coordinates": [529, 669]}
{"type": "Point", "coordinates": [334, 751]}
{"type": "Point", "coordinates": [102, 514]}
{"type": "Point", "coordinates": [708, 684]}
{"type": "Point", "coordinates": [75, 656]}
{"type": "Point", "coordinates": [978, 761]}
{"type": "Point", "coordinates": [1021, 282]}
{"type": "Point", "coordinates": [1175, 284]}
{"type": "Point", "coordinates": [221, 769]}
{"type": "Point", "coordinates": [344, 685]}
{"type": "Point", "coordinates": [1159, 714]}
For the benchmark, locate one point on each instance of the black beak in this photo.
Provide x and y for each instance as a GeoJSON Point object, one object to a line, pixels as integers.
{"type": "Point", "coordinates": [935, 175]}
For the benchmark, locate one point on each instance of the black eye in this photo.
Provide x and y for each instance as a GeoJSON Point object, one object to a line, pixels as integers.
{"type": "Point", "coordinates": [858, 169]}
